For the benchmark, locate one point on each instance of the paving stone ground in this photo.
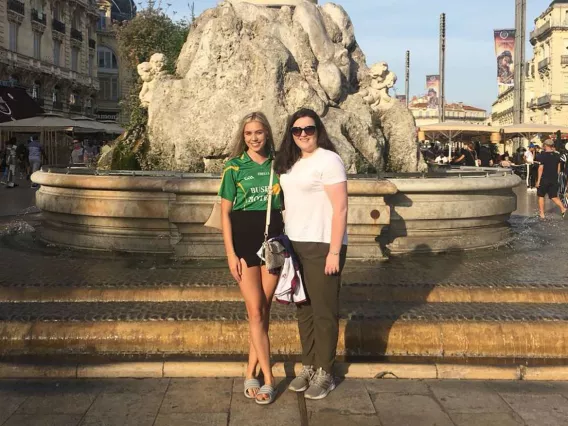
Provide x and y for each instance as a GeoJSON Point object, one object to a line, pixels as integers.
{"type": "Point", "coordinates": [534, 258]}
{"type": "Point", "coordinates": [220, 402]}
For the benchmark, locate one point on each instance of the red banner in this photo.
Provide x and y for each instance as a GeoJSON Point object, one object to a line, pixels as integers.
{"type": "Point", "coordinates": [505, 53]}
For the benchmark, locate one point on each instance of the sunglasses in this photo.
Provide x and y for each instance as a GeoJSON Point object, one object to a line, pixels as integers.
{"type": "Point", "coordinates": [309, 130]}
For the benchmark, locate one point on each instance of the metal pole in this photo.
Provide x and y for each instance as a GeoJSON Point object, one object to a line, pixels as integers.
{"type": "Point", "coordinates": [520, 44]}
{"type": "Point", "coordinates": [407, 80]}
{"type": "Point", "coordinates": [442, 94]}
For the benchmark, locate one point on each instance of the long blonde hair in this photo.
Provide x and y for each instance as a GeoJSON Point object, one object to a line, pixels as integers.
{"type": "Point", "coordinates": [240, 145]}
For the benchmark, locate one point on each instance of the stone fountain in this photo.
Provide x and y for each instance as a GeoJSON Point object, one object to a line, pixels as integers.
{"type": "Point", "coordinates": [244, 56]}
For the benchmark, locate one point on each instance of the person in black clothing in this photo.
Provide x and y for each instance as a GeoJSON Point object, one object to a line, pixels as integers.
{"type": "Point", "coordinates": [468, 156]}
{"type": "Point", "coordinates": [547, 178]}
{"type": "Point", "coordinates": [485, 157]}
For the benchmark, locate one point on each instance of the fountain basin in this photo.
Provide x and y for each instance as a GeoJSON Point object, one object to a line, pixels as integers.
{"type": "Point", "coordinates": [164, 212]}
{"type": "Point", "coordinates": [153, 212]}
{"type": "Point", "coordinates": [466, 208]}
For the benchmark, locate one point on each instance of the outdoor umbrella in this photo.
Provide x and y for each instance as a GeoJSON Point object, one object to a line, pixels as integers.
{"type": "Point", "coordinates": [451, 130]}
{"type": "Point", "coordinates": [16, 104]}
{"type": "Point", "coordinates": [528, 130]}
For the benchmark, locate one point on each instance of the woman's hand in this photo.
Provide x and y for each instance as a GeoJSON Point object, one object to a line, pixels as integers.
{"type": "Point", "coordinates": [235, 267]}
{"type": "Point", "coordinates": [332, 264]}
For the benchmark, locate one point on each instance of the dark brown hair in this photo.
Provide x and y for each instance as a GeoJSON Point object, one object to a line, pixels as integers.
{"type": "Point", "coordinates": [289, 152]}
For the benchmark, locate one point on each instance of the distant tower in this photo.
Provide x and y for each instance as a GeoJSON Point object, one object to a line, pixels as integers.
{"type": "Point", "coordinates": [277, 3]}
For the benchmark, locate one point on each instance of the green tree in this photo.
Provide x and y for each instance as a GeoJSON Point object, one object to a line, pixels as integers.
{"type": "Point", "coordinates": [151, 31]}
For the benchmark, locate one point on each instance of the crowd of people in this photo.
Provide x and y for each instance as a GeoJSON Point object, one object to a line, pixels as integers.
{"type": "Point", "coordinates": [20, 159]}
{"type": "Point", "coordinates": [544, 169]}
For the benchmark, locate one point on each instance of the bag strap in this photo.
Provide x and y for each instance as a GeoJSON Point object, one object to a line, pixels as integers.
{"type": "Point", "coordinates": [269, 207]}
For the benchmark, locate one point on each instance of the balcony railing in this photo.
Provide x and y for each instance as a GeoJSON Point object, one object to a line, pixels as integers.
{"type": "Point", "coordinates": [544, 64]}
{"type": "Point", "coordinates": [543, 100]}
{"type": "Point", "coordinates": [17, 6]}
{"type": "Point", "coordinates": [564, 59]}
{"type": "Point", "coordinates": [76, 34]}
{"type": "Point", "coordinates": [540, 30]}
{"type": "Point", "coordinates": [58, 26]}
{"type": "Point", "coordinates": [92, 44]}
{"type": "Point", "coordinates": [36, 17]}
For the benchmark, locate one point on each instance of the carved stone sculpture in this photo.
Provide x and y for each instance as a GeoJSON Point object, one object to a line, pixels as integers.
{"type": "Point", "coordinates": [377, 93]}
{"type": "Point", "coordinates": [241, 57]}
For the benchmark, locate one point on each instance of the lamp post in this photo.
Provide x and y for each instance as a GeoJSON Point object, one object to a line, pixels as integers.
{"type": "Point", "coordinates": [407, 78]}
{"type": "Point", "coordinates": [442, 100]}
{"type": "Point", "coordinates": [520, 35]}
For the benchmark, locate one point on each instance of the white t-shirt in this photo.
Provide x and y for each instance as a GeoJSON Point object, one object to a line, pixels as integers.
{"type": "Point", "coordinates": [308, 209]}
{"type": "Point", "coordinates": [529, 157]}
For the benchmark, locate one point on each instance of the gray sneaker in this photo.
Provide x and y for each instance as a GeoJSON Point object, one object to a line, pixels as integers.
{"type": "Point", "coordinates": [322, 383]}
{"type": "Point", "coordinates": [302, 380]}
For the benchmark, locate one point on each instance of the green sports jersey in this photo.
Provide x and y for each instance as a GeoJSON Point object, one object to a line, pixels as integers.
{"type": "Point", "coordinates": [245, 183]}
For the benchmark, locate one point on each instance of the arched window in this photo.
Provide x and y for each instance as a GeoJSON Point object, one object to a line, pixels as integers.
{"type": "Point", "coordinates": [57, 11]}
{"type": "Point", "coordinates": [76, 21]}
{"type": "Point", "coordinates": [39, 7]}
{"type": "Point", "coordinates": [107, 59]}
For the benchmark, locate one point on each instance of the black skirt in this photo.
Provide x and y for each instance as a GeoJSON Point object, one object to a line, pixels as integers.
{"type": "Point", "coordinates": [248, 232]}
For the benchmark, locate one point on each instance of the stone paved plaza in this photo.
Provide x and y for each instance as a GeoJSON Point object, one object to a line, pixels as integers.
{"type": "Point", "coordinates": [530, 267]}
{"type": "Point", "coordinates": [220, 402]}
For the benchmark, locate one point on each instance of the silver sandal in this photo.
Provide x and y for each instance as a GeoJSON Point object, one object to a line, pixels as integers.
{"type": "Point", "coordinates": [251, 384]}
{"type": "Point", "coordinates": [266, 390]}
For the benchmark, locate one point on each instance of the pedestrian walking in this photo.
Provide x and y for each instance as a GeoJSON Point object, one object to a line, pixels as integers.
{"type": "Point", "coordinates": [244, 203]}
{"type": "Point", "coordinates": [314, 184]}
{"type": "Point", "coordinates": [36, 153]}
{"type": "Point", "coordinates": [547, 178]}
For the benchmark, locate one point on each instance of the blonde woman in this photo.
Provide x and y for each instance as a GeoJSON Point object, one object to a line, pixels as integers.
{"type": "Point", "coordinates": [244, 201]}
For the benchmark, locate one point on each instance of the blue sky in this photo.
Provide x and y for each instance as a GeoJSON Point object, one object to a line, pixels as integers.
{"type": "Point", "coordinates": [385, 29]}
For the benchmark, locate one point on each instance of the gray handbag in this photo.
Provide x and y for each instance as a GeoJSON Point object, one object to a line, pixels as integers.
{"type": "Point", "coordinates": [271, 251]}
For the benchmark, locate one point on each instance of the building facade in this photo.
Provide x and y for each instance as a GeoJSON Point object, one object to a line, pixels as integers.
{"type": "Point", "coordinates": [454, 112]}
{"type": "Point", "coordinates": [114, 77]}
{"type": "Point", "coordinates": [546, 74]}
{"type": "Point", "coordinates": [63, 52]}
{"type": "Point", "coordinates": [49, 48]}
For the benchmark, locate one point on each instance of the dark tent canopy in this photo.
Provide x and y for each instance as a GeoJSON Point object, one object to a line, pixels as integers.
{"type": "Point", "coordinates": [16, 104]}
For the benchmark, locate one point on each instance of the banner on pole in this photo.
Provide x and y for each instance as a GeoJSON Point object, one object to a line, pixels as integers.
{"type": "Point", "coordinates": [433, 87]}
{"type": "Point", "coordinates": [505, 53]}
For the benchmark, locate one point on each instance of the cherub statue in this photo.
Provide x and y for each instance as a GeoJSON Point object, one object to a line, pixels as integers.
{"type": "Point", "coordinates": [377, 92]}
{"type": "Point", "coordinates": [157, 61]}
{"type": "Point", "coordinates": [150, 72]}
{"type": "Point", "coordinates": [145, 72]}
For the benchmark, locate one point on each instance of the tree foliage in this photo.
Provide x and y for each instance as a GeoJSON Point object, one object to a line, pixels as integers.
{"type": "Point", "coordinates": [151, 31]}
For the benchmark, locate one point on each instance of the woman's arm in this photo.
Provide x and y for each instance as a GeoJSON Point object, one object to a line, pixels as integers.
{"type": "Point", "coordinates": [232, 258]}
{"type": "Point", "coordinates": [337, 195]}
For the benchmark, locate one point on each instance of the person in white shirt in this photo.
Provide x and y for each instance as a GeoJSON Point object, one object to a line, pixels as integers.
{"type": "Point", "coordinates": [77, 155]}
{"type": "Point", "coordinates": [529, 161]}
{"type": "Point", "coordinates": [314, 184]}
{"type": "Point", "coordinates": [35, 153]}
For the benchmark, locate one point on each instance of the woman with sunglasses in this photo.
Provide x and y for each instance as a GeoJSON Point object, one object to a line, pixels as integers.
{"type": "Point", "coordinates": [314, 183]}
{"type": "Point", "coordinates": [244, 201]}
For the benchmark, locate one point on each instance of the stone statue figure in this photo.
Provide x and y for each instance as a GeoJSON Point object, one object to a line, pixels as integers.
{"type": "Point", "coordinates": [244, 56]}
{"type": "Point", "coordinates": [150, 72]}
{"type": "Point", "coordinates": [376, 94]}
